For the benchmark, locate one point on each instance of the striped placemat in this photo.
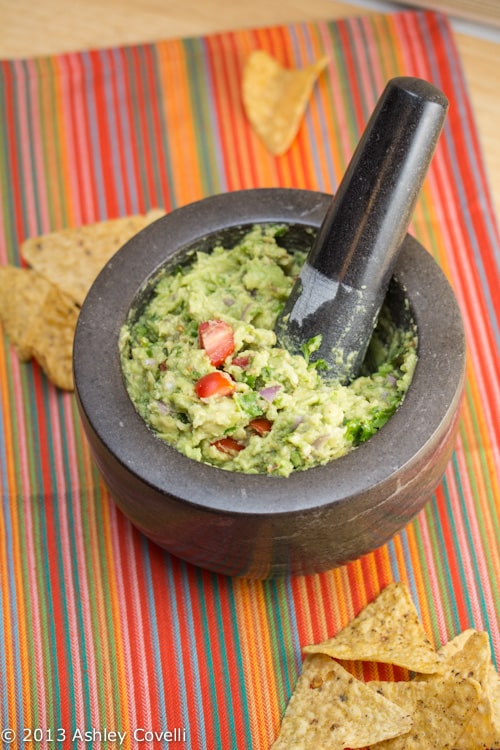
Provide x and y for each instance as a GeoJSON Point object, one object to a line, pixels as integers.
{"type": "Point", "coordinates": [102, 632]}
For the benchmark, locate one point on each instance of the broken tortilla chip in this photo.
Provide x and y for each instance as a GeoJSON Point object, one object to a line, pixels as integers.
{"type": "Point", "coordinates": [39, 306]}
{"type": "Point", "coordinates": [72, 258]}
{"type": "Point", "coordinates": [22, 293]}
{"type": "Point", "coordinates": [51, 338]}
{"type": "Point", "coordinates": [276, 98]}
{"type": "Point", "coordinates": [440, 709]}
{"type": "Point", "coordinates": [331, 709]}
{"type": "Point", "coordinates": [387, 630]}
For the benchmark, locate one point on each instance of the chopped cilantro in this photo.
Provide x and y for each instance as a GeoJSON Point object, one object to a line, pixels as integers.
{"type": "Point", "coordinates": [248, 402]}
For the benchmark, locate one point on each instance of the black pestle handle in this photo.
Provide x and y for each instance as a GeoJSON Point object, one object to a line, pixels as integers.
{"type": "Point", "coordinates": [345, 277]}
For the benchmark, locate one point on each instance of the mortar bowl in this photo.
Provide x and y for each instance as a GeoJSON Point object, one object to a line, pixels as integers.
{"type": "Point", "coordinates": [254, 525]}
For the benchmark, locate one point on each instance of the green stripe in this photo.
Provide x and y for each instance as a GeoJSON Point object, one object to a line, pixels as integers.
{"type": "Point", "coordinates": [197, 61]}
{"type": "Point", "coordinates": [441, 549]}
{"type": "Point", "coordinates": [386, 52]}
{"type": "Point", "coordinates": [51, 648]}
{"type": "Point", "coordinates": [425, 573]}
{"type": "Point", "coordinates": [347, 100]}
{"type": "Point", "coordinates": [71, 501]}
{"type": "Point", "coordinates": [210, 665]}
{"type": "Point", "coordinates": [93, 593]}
{"type": "Point", "coordinates": [471, 548]}
{"type": "Point", "coordinates": [479, 451]}
{"type": "Point", "coordinates": [278, 621]}
{"type": "Point", "coordinates": [20, 502]}
{"type": "Point", "coordinates": [232, 587]}
{"type": "Point", "coordinates": [209, 662]}
{"type": "Point", "coordinates": [165, 200]}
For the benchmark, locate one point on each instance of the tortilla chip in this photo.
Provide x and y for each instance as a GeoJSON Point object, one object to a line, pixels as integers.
{"type": "Point", "coordinates": [456, 644]}
{"type": "Point", "coordinates": [469, 655]}
{"type": "Point", "coordinates": [22, 293]}
{"type": "Point", "coordinates": [72, 258]}
{"type": "Point", "coordinates": [440, 708]}
{"type": "Point", "coordinates": [493, 691]}
{"type": "Point", "coordinates": [473, 659]}
{"type": "Point", "coordinates": [387, 630]}
{"type": "Point", "coordinates": [482, 731]}
{"type": "Point", "coordinates": [331, 709]}
{"type": "Point", "coordinates": [276, 98]}
{"type": "Point", "coordinates": [51, 338]}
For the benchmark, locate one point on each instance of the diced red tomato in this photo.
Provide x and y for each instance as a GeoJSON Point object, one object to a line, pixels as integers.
{"type": "Point", "coordinates": [242, 361]}
{"type": "Point", "coordinates": [261, 425]}
{"type": "Point", "coordinates": [215, 383]}
{"type": "Point", "coordinates": [216, 337]}
{"type": "Point", "coordinates": [228, 445]}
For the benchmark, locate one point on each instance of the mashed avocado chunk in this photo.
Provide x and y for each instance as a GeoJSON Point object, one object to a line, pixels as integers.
{"type": "Point", "coordinates": [203, 369]}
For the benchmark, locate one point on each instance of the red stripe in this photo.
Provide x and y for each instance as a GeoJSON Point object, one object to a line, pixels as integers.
{"type": "Point", "coordinates": [15, 171]}
{"type": "Point", "coordinates": [84, 153]}
{"type": "Point", "coordinates": [119, 139]}
{"type": "Point", "coordinates": [352, 74]}
{"type": "Point", "coordinates": [225, 113]}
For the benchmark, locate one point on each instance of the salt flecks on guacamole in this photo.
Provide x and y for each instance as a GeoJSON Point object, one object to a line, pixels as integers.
{"type": "Point", "coordinates": [203, 369]}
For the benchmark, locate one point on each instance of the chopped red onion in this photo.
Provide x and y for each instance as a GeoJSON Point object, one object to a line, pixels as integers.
{"type": "Point", "coordinates": [269, 393]}
{"type": "Point", "coordinates": [320, 441]}
{"type": "Point", "coordinates": [163, 407]}
{"type": "Point", "coordinates": [298, 420]}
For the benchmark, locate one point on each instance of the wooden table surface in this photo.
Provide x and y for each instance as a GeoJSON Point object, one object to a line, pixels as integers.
{"type": "Point", "coordinates": [41, 27]}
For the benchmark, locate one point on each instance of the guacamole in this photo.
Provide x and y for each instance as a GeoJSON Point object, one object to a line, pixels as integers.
{"type": "Point", "coordinates": [202, 367]}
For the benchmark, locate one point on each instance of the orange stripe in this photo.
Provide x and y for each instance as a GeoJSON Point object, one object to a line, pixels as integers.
{"type": "Point", "coordinates": [246, 604]}
{"type": "Point", "coordinates": [182, 143]}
